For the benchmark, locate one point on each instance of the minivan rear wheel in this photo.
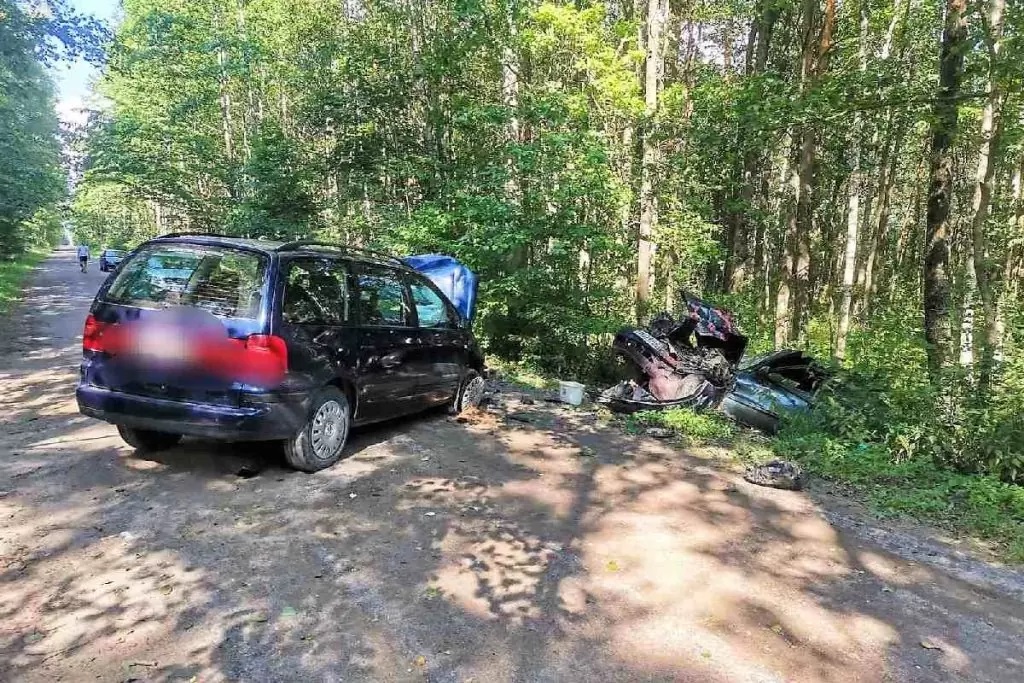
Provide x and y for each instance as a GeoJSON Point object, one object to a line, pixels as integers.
{"type": "Point", "coordinates": [147, 440]}
{"type": "Point", "coordinates": [322, 439]}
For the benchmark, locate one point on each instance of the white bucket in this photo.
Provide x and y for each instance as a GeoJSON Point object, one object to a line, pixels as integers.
{"type": "Point", "coordinates": [570, 392]}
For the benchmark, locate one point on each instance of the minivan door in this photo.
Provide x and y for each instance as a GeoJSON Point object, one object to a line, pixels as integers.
{"type": "Point", "coordinates": [388, 383]}
{"type": "Point", "coordinates": [441, 353]}
{"type": "Point", "coordinates": [315, 322]}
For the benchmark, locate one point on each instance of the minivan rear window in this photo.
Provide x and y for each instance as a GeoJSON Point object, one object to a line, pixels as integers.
{"type": "Point", "coordinates": [225, 282]}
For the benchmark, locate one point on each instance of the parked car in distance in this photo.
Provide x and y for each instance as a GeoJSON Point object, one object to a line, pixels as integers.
{"type": "Point", "coordinates": [110, 258]}
{"type": "Point", "coordinates": [245, 340]}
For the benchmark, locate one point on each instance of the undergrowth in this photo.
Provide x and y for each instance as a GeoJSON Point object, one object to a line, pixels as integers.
{"type": "Point", "coordinates": [519, 374]}
{"type": "Point", "coordinates": [919, 487]}
{"type": "Point", "coordinates": [12, 277]}
{"type": "Point", "coordinates": [698, 427]}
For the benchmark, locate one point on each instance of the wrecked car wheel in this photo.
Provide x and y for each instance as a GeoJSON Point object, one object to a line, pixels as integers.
{"type": "Point", "coordinates": [471, 393]}
{"type": "Point", "coordinates": [320, 442]}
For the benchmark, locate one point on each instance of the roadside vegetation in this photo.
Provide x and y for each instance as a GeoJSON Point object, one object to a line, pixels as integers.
{"type": "Point", "coordinates": [33, 177]}
{"type": "Point", "coordinates": [13, 273]}
{"type": "Point", "coordinates": [856, 463]}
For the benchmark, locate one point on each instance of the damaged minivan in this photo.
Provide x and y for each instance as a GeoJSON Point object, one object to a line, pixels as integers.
{"type": "Point", "coordinates": [252, 340]}
{"type": "Point", "coordinates": [696, 360]}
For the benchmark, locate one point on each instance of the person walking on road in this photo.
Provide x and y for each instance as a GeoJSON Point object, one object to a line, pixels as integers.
{"type": "Point", "coordinates": [83, 256]}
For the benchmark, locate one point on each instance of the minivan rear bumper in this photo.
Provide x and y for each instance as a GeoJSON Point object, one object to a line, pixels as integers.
{"type": "Point", "coordinates": [260, 417]}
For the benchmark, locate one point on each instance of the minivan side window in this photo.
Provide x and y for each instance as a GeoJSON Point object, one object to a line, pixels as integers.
{"type": "Point", "coordinates": [381, 297]}
{"type": "Point", "coordinates": [316, 293]}
{"type": "Point", "coordinates": [430, 308]}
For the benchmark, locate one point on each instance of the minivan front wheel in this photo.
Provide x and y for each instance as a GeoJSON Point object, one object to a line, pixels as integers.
{"type": "Point", "coordinates": [321, 440]}
{"type": "Point", "coordinates": [471, 393]}
{"type": "Point", "coordinates": [147, 440]}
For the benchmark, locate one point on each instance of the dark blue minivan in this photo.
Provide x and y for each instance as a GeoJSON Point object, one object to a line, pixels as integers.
{"type": "Point", "coordinates": [244, 340]}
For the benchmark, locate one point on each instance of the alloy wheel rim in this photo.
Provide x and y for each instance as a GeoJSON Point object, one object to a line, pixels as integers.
{"type": "Point", "coordinates": [330, 426]}
{"type": "Point", "coordinates": [473, 393]}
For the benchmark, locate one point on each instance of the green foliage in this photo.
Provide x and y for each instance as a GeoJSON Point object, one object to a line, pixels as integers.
{"type": "Point", "coordinates": [31, 179]}
{"type": "Point", "coordinates": [13, 272]}
{"type": "Point", "coordinates": [519, 375]}
{"type": "Point", "coordinates": [700, 427]}
{"type": "Point", "coordinates": [920, 487]}
{"type": "Point", "coordinates": [107, 215]}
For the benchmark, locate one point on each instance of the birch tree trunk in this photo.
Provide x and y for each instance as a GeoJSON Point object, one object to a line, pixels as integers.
{"type": "Point", "coordinates": [853, 208]}
{"type": "Point", "coordinates": [987, 151]}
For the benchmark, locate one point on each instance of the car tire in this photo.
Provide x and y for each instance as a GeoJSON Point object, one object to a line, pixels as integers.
{"type": "Point", "coordinates": [471, 393]}
{"type": "Point", "coordinates": [147, 440]}
{"type": "Point", "coordinates": [321, 440]}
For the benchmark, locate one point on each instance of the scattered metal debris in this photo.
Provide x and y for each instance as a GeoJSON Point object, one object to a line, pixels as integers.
{"type": "Point", "coordinates": [779, 474]}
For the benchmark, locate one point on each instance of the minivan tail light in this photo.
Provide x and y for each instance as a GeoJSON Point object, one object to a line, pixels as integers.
{"type": "Point", "coordinates": [264, 357]}
{"type": "Point", "coordinates": [94, 335]}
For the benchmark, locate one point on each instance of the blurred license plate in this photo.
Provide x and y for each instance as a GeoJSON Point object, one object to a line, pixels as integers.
{"type": "Point", "coordinates": [163, 344]}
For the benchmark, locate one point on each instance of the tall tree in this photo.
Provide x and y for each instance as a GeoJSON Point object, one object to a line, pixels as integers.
{"type": "Point", "coordinates": [854, 191]}
{"type": "Point", "coordinates": [988, 149]}
{"type": "Point", "coordinates": [946, 112]}
{"type": "Point", "coordinates": [653, 65]}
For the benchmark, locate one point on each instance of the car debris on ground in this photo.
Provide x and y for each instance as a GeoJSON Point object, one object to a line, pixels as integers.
{"type": "Point", "coordinates": [779, 474]}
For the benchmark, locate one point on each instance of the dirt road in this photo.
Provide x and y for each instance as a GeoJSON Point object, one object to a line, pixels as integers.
{"type": "Point", "coordinates": [556, 550]}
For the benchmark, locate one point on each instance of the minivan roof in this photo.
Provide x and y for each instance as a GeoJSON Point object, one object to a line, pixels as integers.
{"type": "Point", "coordinates": [297, 247]}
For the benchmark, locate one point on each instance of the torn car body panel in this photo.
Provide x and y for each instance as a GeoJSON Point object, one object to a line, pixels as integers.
{"type": "Point", "coordinates": [695, 361]}
{"type": "Point", "coordinates": [768, 387]}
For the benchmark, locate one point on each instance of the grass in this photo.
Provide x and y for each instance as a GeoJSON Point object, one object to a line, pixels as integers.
{"type": "Point", "coordinates": [697, 427]}
{"type": "Point", "coordinates": [13, 274]}
{"type": "Point", "coordinates": [974, 505]}
{"type": "Point", "coordinates": [520, 375]}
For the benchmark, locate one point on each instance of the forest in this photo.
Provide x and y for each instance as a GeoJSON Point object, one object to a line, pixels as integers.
{"type": "Point", "coordinates": [847, 176]}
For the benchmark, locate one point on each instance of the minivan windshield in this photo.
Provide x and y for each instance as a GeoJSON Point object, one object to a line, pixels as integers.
{"type": "Point", "coordinates": [225, 282]}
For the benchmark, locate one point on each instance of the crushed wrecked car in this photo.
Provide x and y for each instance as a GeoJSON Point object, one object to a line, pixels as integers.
{"type": "Point", "coordinates": [696, 360]}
